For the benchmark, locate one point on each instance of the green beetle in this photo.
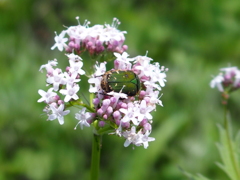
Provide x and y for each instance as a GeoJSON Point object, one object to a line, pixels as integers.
{"type": "Point", "coordinates": [126, 82]}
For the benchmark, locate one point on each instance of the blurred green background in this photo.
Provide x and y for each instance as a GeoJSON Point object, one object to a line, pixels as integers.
{"type": "Point", "coordinates": [193, 38]}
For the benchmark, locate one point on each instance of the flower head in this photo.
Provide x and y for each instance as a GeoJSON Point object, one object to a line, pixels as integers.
{"type": "Point", "coordinates": [70, 92]}
{"type": "Point", "coordinates": [60, 41]}
{"type": "Point", "coordinates": [46, 96]}
{"type": "Point", "coordinates": [123, 92]}
{"type": "Point", "coordinates": [58, 113]}
{"type": "Point", "coordinates": [83, 116]}
{"type": "Point", "coordinates": [227, 80]}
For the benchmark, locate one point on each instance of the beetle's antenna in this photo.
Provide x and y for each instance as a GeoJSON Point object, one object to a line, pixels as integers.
{"type": "Point", "coordinates": [122, 88]}
{"type": "Point", "coordinates": [146, 53]}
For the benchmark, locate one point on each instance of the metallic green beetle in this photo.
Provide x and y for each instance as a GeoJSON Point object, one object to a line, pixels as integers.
{"type": "Point", "coordinates": [126, 82]}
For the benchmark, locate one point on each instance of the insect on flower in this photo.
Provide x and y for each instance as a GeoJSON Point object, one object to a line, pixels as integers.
{"type": "Point", "coordinates": [124, 81]}
{"type": "Point", "coordinates": [122, 98]}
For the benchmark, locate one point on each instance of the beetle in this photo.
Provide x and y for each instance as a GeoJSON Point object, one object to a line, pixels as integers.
{"type": "Point", "coordinates": [124, 81]}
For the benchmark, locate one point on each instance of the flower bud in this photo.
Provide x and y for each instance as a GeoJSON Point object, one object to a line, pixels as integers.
{"type": "Point", "coordinates": [117, 115]}
{"type": "Point", "coordinates": [101, 123]}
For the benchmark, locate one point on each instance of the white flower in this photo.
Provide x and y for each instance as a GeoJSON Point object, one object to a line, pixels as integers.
{"type": "Point", "coordinates": [237, 79]}
{"type": "Point", "coordinates": [143, 111]}
{"type": "Point", "coordinates": [151, 85]}
{"type": "Point", "coordinates": [70, 92]}
{"type": "Point", "coordinates": [152, 97]}
{"type": "Point", "coordinates": [71, 79]}
{"type": "Point", "coordinates": [143, 64]}
{"type": "Point", "coordinates": [122, 57]}
{"type": "Point", "coordinates": [154, 73]}
{"type": "Point", "coordinates": [56, 79]}
{"type": "Point", "coordinates": [78, 32]}
{"type": "Point", "coordinates": [76, 67]}
{"type": "Point", "coordinates": [97, 84]}
{"type": "Point", "coordinates": [158, 76]}
{"type": "Point", "coordinates": [144, 139]}
{"type": "Point", "coordinates": [49, 65]}
{"type": "Point", "coordinates": [73, 57]}
{"type": "Point", "coordinates": [58, 113]}
{"type": "Point", "coordinates": [229, 70]}
{"type": "Point", "coordinates": [101, 69]}
{"type": "Point", "coordinates": [143, 59]}
{"type": "Point", "coordinates": [124, 62]}
{"type": "Point", "coordinates": [129, 115]}
{"type": "Point", "coordinates": [83, 116]}
{"type": "Point", "coordinates": [113, 35]}
{"type": "Point", "coordinates": [217, 81]}
{"type": "Point", "coordinates": [138, 138]}
{"type": "Point", "coordinates": [97, 32]}
{"type": "Point", "coordinates": [112, 32]}
{"type": "Point", "coordinates": [131, 137]}
{"type": "Point", "coordinates": [60, 41]}
{"type": "Point", "coordinates": [46, 96]}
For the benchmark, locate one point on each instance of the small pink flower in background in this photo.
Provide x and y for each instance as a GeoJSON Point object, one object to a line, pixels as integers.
{"type": "Point", "coordinates": [227, 80]}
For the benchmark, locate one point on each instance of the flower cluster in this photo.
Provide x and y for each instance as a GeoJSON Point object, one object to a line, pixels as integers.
{"type": "Point", "coordinates": [228, 80]}
{"type": "Point", "coordinates": [113, 112]}
{"type": "Point", "coordinates": [96, 39]}
{"type": "Point", "coordinates": [130, 116]}
{"type": "Point", "coordinates": [64, 82]}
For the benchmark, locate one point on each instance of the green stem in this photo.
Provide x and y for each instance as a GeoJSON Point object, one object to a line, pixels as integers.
{"type": "Point", "coordinates": [96, 149]}
{"type": "Point", "coordinates": [230, 145]}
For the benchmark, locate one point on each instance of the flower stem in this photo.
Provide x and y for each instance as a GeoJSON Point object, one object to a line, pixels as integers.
{"type": "Point", "coordinates": [96, 149]}
{"type": "Point", "coordinates": [230, 144]}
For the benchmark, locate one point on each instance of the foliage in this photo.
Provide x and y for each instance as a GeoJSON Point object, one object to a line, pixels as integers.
{"type": "Point", "coordinates": [229, 151]}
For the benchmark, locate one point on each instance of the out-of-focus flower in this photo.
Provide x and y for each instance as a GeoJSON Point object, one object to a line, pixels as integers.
{"type": "Point", "coordinates": [227, 80]}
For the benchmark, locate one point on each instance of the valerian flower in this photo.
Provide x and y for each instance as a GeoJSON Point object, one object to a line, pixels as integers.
{"type": "Point", "coordinates": [227, 80]}
{"type": "Point", "coordinates": [110, 111]}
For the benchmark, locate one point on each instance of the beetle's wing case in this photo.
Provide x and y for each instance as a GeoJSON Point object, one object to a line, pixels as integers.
{"type": "Point", "coordinates": [125, 81]}
{"type": "Point", "coordinates": [121, 76]}
{"type": "Point", "coordinates": [121, 81]}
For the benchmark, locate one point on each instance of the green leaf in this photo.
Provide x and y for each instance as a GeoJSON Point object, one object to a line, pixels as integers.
{"type": "Point", "coordinates": [194, 177]}
{"type": "Point", "coordinates": [229, 152]}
